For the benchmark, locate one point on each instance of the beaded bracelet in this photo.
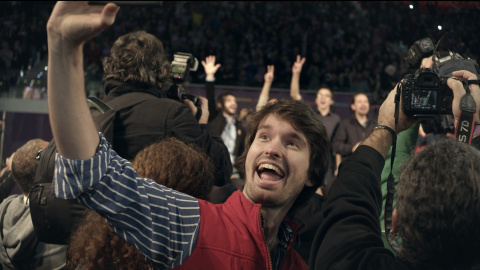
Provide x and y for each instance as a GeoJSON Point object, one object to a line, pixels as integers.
{"type": "Point", "coordinates": [394, 135]}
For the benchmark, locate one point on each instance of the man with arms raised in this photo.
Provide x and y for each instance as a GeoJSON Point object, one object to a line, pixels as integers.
{"type": "Point", "coordinates": [172, 229]}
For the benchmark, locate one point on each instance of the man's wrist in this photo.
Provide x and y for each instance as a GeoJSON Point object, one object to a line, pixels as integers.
{"type": "Point", "coordinates": [389, 129]}
{"type": "Point", "coordinates": [380, 139]}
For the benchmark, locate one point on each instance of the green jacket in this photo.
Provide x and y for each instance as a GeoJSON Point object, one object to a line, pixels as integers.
{"type": "Point", "coordinates": [406, 142]}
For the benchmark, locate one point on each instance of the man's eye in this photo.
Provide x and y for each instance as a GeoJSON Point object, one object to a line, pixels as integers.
{"type": "Point", "coordinates": [292, 144]}
{"type": "Point", "coordinates": [263, 137]}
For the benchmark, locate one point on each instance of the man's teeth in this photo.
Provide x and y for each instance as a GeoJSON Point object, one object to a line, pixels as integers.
{"type": "Point", "coordinates": [270, 167]}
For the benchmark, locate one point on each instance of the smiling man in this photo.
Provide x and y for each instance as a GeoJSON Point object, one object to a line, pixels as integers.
{"type": "Point", "coordinates": [223, 117]}
{"type": "Point", "coordinates": [352, 131]}
{"type": "Point", "coordinates": [285, 161]}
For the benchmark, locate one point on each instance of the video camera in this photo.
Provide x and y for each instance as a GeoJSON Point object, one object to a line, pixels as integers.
{"type": "Point", "coordinates": [181, 66]}
{"type": "Point", "coordinates": [426, 94]}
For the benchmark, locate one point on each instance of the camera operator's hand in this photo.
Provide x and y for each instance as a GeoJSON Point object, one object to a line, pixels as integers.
{"type": "Point", "coordinates": [386, 115]}
{"type": "Point", "coordinates": [381, 139]}
{"type": "Point", "coordinates": [210, 67]}
{"type": "Point", "coordinates": [268, 77]}
{"type": "Point", "coordinates": [459, 91]}
{"type": "Point", "coordinates": [204, 107]}
{"type": "Point", "coordinates": [297, 66]}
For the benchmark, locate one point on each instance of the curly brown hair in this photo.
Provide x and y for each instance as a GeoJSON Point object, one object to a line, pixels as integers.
{"type": "Point", "coordinates": [24, 163]}
{"type": "Point", "coordinates": [170, 162]}
{"type": "Point", "coordinates": [438, 203]}
{"type": "Point", "coordinates": [176, 165]}
{"type": "Point", "coordinates": [137, 57]}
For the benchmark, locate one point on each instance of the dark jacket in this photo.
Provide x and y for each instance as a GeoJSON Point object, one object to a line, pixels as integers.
{"type": "Point", "coordinates": [348, 133]}
{"type": "Point", "coordinates": [160, 117]}
{"type": "Point", "coordinates": [349, 236]}
{"type": "Point", "coordinates": [218, 122]}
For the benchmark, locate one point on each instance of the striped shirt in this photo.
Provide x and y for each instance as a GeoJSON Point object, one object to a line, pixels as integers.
{"type": "Point", "coordinates": [160, 222]}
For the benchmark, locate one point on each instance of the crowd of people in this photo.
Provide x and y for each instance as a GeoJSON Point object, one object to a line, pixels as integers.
{"type": "Point", "coordinates": [352, 46]}
{"type": "Point", "coordinates": [202, 185]}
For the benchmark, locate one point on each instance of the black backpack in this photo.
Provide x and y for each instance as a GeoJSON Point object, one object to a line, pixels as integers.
{"type": "Point", "coordinates": [54, 219]}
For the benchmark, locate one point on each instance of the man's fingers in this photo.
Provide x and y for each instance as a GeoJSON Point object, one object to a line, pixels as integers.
{"type": "Point", "coordinates": [457, 87]}
{"type": "Point", "coordinates": [464, 74]}
{"type": "Point", "coordinates": [474, 88]}
{"type": "Point", "coordinates": [109, 13]}
{"type": "Point", "coordinates": [190, 104]}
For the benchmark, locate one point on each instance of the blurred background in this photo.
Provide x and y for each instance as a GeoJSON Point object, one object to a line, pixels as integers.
{"type": "Point", "coordinates": [351, 46]}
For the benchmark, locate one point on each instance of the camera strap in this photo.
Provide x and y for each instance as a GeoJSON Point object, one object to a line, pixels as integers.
{"type": "Point", "coordinates": [389, 235]}
{"type": "Point", "coordinates": [466, 119]}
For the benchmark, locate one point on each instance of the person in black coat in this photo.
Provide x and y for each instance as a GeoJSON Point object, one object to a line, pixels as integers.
{"type": "Point", "coordinates": [138, 64]}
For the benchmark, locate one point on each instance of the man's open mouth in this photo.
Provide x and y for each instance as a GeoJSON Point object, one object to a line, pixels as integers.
{"type": "Point", "coordinates": [270, 172]}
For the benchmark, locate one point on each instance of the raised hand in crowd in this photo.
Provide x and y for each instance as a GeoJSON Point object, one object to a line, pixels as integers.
{"type": "Point", "coordinates": [210, 67]}
{"type": "Point", "coordinates": [69, 26]}
{"type": "Point", "coordinates": [267, 84]}
{"type": "Point", "coordinates": [298, 65]}
{"type": "Point", "coordinates": [295, 83]}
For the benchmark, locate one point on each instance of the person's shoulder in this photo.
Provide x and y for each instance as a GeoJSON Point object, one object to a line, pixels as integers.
{"type": "Point", "coordinates": [162, 104]}
{"type": "Point", "coordinates": [16, 198]}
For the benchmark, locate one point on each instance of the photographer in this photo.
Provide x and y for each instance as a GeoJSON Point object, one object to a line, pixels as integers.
{"type": "Point", "coordinates": [438, 211]}
{"type": "Point", "coordinates": [138, 64]}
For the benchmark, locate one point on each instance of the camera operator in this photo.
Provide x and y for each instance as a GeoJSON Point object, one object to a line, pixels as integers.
{"type": "Point", "coordinates": [138, 64]}
{"type": "Point", "coordinates": [438, 210]}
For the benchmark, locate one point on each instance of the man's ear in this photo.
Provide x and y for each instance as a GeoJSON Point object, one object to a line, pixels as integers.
{"type": "Point", "coordinates": [395, 226]}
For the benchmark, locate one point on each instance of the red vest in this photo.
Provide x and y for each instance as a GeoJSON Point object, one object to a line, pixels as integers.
{"type": "Point", "coordinates": [231, 237]}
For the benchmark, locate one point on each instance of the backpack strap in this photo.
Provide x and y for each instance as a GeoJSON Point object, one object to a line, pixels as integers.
{"type": "Point", "coordinates": [104, 113]}
{"type": "Point", "coordinates": [121, 102]}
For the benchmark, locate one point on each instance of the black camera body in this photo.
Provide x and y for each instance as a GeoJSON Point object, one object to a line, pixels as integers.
{"type": "Point", "coordinates": [177, 92]}
{"type": "Point", "coordinates": [425, 94]}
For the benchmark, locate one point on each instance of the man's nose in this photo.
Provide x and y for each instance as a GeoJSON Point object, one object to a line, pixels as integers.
{"type": "Point", "coordinates": [274, 149]}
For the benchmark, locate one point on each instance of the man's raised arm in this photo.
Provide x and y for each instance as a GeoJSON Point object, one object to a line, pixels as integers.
{"type": "Point", "coordinates": [70, 25]}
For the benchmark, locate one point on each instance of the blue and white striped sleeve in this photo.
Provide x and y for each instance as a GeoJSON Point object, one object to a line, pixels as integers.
{"type": "Point", "coordinates": [161, 222]}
